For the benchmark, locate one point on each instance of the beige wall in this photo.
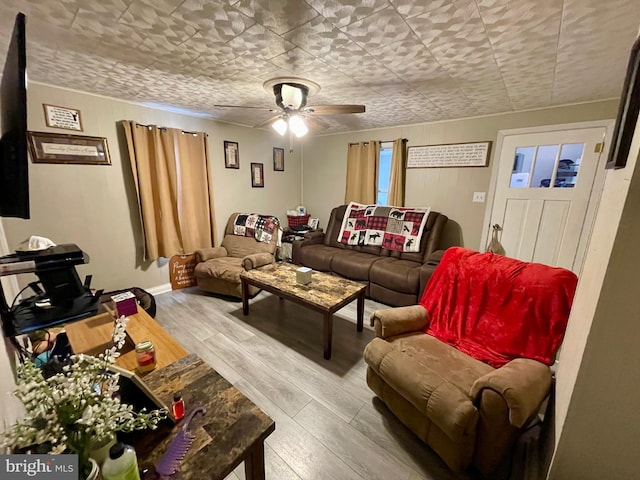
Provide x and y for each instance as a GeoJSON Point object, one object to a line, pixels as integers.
{"type": "Point", "coordinates": [597, 429]}
{"type": "Point", "coordinates": [94, 206]}
{"type": "Point", "coordinates": [447, 190]}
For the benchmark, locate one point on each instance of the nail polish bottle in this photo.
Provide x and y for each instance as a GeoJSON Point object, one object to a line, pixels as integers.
{"type": "Point", "coordinates": [177, 407]}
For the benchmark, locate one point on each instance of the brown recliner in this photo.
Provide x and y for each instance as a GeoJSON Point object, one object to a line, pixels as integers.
{"type": "Point", "coordinates": [467, 368]}
{"type": "Point", "coordinates": [218, 268]}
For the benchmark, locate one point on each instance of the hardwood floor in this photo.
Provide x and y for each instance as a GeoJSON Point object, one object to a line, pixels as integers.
{"type": "Point", "coordinates": [329, 425]}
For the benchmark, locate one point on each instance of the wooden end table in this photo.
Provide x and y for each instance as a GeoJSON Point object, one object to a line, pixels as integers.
{"type": "Point", "coordinates": [325, 294]}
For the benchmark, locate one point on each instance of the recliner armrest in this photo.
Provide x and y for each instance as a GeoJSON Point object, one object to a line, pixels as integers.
{"type": "Point", "coordinates": [256, 260]}
{"type": "Point", "coordinates": [396, 321]}
{"type": "Point", "coordinates": [523, 383]}
{"type": "Point", "coordinates": [204, 254]}
{"type": "Point", "coordinates": [435, 257]}
{"type": "Point", "coordinates": [310, 238]}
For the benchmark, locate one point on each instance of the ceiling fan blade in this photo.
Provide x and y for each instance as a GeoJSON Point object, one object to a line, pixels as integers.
{"type": "Point", "coordinates": [246, 106]}
{"type": "Point", "coordinates": [315, 122]}
{"type": "Point", "coordinates": [267, 122]}
{"type": "Point", "coordinates": [335, 109]}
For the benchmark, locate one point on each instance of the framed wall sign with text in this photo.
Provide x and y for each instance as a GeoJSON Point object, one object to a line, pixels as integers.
{"type": "Point", "coordinates": [62, 117]}
{"type": "Point", "coordinates": [75, 149]}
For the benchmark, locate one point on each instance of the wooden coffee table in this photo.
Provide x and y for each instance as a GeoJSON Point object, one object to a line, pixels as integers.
{"type": "Point", "coordinates": [325, 294]}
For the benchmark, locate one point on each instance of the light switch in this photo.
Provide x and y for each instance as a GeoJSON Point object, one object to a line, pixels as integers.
{"type": "Point", "coordinates": [478, 197]}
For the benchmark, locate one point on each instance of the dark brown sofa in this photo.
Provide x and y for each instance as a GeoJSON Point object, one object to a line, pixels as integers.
{"type": "Point", "coordinates": [392, 277]}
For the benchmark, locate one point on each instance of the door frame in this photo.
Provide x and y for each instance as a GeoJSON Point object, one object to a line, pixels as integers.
{"type": "Point", "coordinates": [596, 190]}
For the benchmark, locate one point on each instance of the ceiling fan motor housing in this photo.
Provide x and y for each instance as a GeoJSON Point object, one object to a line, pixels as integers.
{"type": "Point", "coordinates": [291, 96]}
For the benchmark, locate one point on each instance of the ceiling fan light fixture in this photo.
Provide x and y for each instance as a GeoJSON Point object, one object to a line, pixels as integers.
{"type": "Point", "coordinates": [280, 126]}
{"type": "Point", "coordinates": [297, 126]}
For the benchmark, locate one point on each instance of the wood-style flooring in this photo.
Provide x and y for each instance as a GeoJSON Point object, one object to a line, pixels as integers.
{"type": "Point", "coordinates": [329, 425]}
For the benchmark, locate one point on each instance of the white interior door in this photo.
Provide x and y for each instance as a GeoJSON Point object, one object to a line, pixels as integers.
{"type": "Point", "coordinates": [542, 193]}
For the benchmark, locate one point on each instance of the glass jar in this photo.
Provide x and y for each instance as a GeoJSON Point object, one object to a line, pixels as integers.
{"type": "Point", "coordinates": [145, 356]}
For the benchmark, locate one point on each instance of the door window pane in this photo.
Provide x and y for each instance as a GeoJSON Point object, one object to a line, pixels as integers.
{"type": "Point", "coordinates": [544, 165]}
{"type": "Point", "coordinates": [522, 167]}
{"type": "Point", "coordinates": [569, 164]}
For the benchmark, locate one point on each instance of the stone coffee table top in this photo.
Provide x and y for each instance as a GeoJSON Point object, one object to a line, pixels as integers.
{"type": "Point", "coordinates": [324, 290]}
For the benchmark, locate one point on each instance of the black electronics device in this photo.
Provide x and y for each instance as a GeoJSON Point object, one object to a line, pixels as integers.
{"type": "Point", "coordinates": [65, 298]}
{"type": "Point", "coordinates": [14, 160]}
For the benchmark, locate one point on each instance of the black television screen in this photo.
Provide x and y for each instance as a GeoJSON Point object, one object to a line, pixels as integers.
{"type": "Point", "coordinates": [14, 161]}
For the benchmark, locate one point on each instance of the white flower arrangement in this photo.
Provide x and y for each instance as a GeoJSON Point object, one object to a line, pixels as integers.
{"type": "Point", "coordinates": [73, 410]}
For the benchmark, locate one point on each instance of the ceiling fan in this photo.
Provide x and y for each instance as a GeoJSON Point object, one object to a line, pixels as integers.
{"type": "Point", "coordinates": [293, 114]}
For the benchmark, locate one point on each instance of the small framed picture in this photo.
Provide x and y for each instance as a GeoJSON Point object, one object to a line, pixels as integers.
{"type": "Point", "coordinates": [313, 223]}
{"type": "Point", "coordinates": [257, 175]}
{"type": "Point", "coordinates": [278, 159]}
{"type": "Point", "coordinates": [231, 155]}
{"type": "Point", "coordinates": [62, 117]}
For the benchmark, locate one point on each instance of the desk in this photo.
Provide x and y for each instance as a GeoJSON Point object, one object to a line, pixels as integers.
{"type": "Point", "coordinates": [233, 429]}
{"type": "Point", "coordinates": [94, 335]}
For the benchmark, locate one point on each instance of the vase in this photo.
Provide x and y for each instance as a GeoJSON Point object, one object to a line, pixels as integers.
{"type": "Point", "coordinates": [100, 450]}
{"type": "Point", "coordinates": [95, 470]}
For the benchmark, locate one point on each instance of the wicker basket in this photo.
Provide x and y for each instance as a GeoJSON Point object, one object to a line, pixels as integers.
{"type": "Point", "coordinates": [297, 220]}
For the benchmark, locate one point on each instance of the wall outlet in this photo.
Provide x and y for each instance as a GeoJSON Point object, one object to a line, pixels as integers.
{"type": "Point", "coordinates": [478, 197]}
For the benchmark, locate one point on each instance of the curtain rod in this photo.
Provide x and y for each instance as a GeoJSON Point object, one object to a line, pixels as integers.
{"type": "Point", "coordinates": [164, 128]}
{"type": "Point", "coordinates": [381, 141]}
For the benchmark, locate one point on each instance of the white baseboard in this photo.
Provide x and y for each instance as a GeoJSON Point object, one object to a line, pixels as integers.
{"type": "Point", "coordinates": [164, 288]}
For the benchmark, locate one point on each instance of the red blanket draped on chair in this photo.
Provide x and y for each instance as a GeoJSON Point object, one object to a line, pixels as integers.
{"type": "Point", "coordinates": [496, 308]}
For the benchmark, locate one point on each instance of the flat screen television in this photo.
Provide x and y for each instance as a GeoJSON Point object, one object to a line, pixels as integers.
{"type": "Point", "coordinates": [14, 160]}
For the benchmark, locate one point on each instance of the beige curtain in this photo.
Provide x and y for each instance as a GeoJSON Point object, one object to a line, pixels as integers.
{"type": "Point", "coordinates": [170, 170]}
{"type": "Point", "coordinates": [398, 169]}
{"type": "Point", "coordinates": [362, 162]}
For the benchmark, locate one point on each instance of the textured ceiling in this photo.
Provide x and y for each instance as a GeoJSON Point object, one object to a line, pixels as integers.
{"type": "Point", "coordinates": [407, 61]}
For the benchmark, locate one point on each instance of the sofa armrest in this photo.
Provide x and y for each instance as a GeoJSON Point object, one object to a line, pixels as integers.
{"type": "Point", "coordinates": [435, 257]}
{"type": "Point", "coordinates": [204, 254]}
{"type": "Point", "coordinates": [523, 383]}
{"type": "Point", "coordinates": [396, 321]}
{"type": "Point", "coordinates": [256, 260]}
{"type": "Point", "coordinates": [310, 238]}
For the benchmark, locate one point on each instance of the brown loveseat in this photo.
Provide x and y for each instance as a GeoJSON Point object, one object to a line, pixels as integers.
{"type": "Point", "coordinates": [468, 367]}
{"type": "Point", "coordinates": [392, 277]}
{"type": "Point", "coordinates": [218, 268]}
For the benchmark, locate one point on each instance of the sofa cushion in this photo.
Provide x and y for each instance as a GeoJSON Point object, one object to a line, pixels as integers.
{"type": "Point", "coordinates": [318, 257]}
{"type": "Point", "coordinates": [353, 265]}
{"type": "Point", "coordinates": [240, 247]}
{"type": "Point", "coordinates": [223, 268]}
{"type": "Point", "coordinates": [433, 376]}
{"type": "Point", "coordinates": [394, 274]}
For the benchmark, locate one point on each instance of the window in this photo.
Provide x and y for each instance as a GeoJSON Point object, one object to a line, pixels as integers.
{"type": "Point", "coordinates": [554, 166]}
{"type": "Point", "coordinates": [384, 173]}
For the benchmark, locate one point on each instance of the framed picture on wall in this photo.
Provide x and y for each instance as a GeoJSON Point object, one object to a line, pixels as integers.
{"type": "Point", "coordinates": [48, 147]}
{"type": "Point", "coordinates": [257, 175]}
{"type": "Point", "coordinates": [628, 112]}
{"type": "Point", "coordinates": [278, 159]}
{"type": "Point", "coordinates": [231, 155]}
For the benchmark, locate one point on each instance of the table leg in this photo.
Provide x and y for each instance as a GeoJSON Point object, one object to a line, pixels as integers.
{"type": "Point", "coordinates": [245, 297]}
{"type": "Point", "coordinates": [254, 463]}
{"type": "Point", "coordinates": [328, 331]}
{"type": "Point", "coordinates": [360, 311]}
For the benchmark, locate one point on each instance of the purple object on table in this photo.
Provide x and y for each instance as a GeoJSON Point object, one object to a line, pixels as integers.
{"type": "Point", "coordinates": [178, 448]}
